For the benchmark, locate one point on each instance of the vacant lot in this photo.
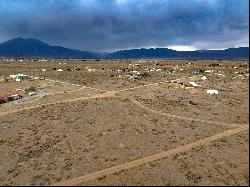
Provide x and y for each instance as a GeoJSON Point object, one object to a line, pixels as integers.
{"type": "Point", "coordinates": [96, 126]}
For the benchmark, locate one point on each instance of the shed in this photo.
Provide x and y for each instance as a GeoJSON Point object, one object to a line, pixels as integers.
{"type": "Point", "coordinates": [204, 78]}
{"type": "Point", "coordinates": [194, 84]}
{"type": "Point", "coordinates": [132, 77]}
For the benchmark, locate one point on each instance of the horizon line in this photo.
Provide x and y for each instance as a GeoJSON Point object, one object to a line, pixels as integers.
{"type": "Point", "coordinates": [179, 48]}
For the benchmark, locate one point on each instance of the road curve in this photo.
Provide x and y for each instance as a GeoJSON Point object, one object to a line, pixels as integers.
{"type": "Point", "coordinates": [182, 117]}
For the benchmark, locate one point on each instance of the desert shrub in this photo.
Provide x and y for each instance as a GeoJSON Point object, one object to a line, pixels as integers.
{"type": "Point", "coordinates": [30, 89]}
{"type": "Point", "coordinates": [243, 66]}
{"type": "Point", "coordinates": [145, 75]}
{"type": "Point", "coordinates": [201, 71]}
{"type": "Point", "coordinates": [214, 65]}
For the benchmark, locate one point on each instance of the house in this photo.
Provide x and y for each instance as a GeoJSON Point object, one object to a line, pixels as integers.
{"type": "Point", "coordinates": [22, 76]}
{"type": "Point", "coordinates": [19, 77]}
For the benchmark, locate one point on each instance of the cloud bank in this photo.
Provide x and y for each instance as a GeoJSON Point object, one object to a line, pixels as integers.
{"type": "Point", "coordinates": [108, 25]}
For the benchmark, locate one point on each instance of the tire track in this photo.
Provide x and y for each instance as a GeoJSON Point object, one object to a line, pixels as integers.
{"type": "Point", "coordinates": [104, 95]}
{"type": "Point", "coordinates": [82, 87]}
{"type": "Point", "coordinates": [182, 117]}
{"type": "Point", "coordinates": [144, 160]}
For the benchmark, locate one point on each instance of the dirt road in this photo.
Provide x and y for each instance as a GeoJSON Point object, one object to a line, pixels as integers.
{"type": "Point", "coordinates": [182, 117]}
{"type": "Point", "coordinates": [148, 159]}
{"type": "Point", "coordinates": [104, 95]}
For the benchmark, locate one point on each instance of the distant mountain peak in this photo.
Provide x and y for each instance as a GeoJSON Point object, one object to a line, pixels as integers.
{"type": "Point", "coordinates": [31, 47]}
{"type": "Point", "coordinates": [33, 39]}
{"type": "Point", "coordinates": [36, 41]}
{"type": "Point", "coordinates": [18, 38]}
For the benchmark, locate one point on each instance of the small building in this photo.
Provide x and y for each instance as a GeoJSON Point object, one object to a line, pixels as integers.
{"type": "Point", "coordinates": [208, 71]}
{"type": "Point", "coordinates": [19, 77]}
{"type": "Point", "coordinates": [22, 76]}
{"type": "Point", "coordinates": [194, 84]}
{"type": "Point", "coordinates": [133, 77]}
{"type": "Point", "coordinates": [195, 72]}
{"type": "Point", "coordinates": [204, 78]}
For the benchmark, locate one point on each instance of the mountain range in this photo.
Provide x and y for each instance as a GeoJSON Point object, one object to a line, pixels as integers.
{"type": "Point", "coordinates": [20, 47]}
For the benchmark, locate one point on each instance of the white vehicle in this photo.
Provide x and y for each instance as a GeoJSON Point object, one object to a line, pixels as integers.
{"type": "Point", "coordinates": [212, 91]}
{"type": "Point", "coordinates": [31, 93]}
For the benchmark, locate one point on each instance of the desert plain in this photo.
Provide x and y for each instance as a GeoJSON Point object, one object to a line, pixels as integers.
{"type": "Point", "coordinates": [125, 122]}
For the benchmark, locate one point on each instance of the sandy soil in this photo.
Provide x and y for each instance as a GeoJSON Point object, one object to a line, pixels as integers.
{"type": "Point", "coordinates": [213, 164]}
{"type": "Point", "coordinates": [96, 137]}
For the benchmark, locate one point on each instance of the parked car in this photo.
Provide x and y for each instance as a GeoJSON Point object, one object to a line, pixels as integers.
{"type": "Point", "coordinates": [14, 97]}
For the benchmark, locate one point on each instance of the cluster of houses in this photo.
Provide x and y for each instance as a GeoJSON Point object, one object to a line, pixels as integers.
{"type": "Point", "coordinates": [24, 60]}
{"type": "Point", "coordinates": [19, 77]}
{"type": "Point", "coordinates": [15, 95]}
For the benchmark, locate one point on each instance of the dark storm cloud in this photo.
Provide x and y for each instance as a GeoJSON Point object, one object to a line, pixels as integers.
{"type": "Point", "coordinates": [104, 25]}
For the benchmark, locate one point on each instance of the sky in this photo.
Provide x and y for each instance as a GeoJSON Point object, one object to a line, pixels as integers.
{"type": "Point", "coordinates": [110, 25]}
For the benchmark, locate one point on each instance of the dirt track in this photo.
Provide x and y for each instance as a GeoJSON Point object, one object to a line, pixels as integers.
{"type": "Point", "coordinates": [145, 160]}
{"type": "Point", "coordinates": [183, 118]}
{"type": "Point", "coordinates": [104, 95]}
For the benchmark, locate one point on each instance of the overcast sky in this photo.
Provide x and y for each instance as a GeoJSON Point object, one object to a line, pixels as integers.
{"type": "Point", "coordinates": [108, 25]}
